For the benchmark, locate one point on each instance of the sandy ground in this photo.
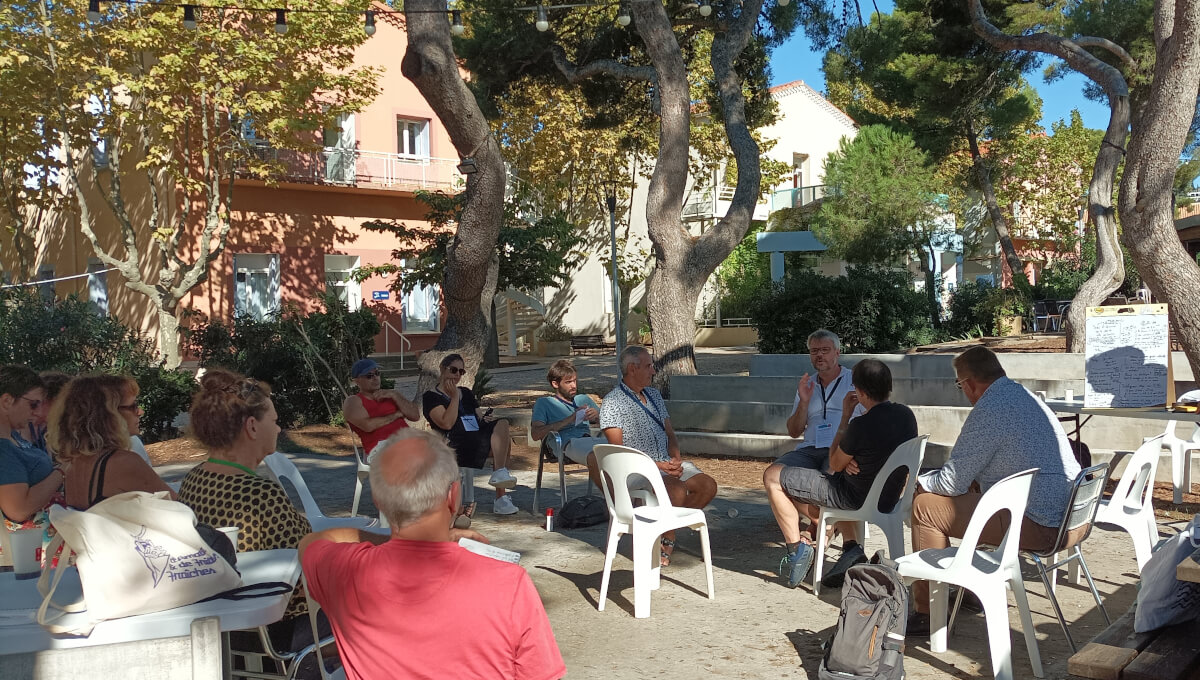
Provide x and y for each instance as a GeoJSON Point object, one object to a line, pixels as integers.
{"type": "Point", "coordinates": [755, 627]}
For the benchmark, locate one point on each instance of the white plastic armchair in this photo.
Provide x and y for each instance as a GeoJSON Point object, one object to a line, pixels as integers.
{"type": "Point", "coordinates": [282, 468]}
{"type": "Point", "coordinates": [361, 474]}
{"type": "Point", "coordinates": [1131, 507]}
{"type": "Point", "coordinates": [985, 573]}
{"type": "Point", "coordinates": [1181, 457]}
{"type": "Point", "coordinates": [620, 466]}
{"type": "Point", "coordinates": [908, 456]}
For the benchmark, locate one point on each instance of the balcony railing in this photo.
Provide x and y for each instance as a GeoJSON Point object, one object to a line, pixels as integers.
{"type": "Point", "coordinates": [352, 167]}
{"type": "Point", "coordinates": [796, 198]}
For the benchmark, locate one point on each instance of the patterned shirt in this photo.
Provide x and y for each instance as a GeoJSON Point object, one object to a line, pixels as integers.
{"type": "Point", "coordinates": [642, 425]}
{"type": "Point", "coordinates": [1009, 431]}
{"type": "Point", "coordinates": [261, 510]}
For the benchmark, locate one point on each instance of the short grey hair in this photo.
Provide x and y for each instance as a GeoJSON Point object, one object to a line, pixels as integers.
{"type": "Point", "coordinates": [405, 501]}
{"type": "Point", "coordinates": [630, 355]}
{"type": "Point", "coordinates": [824, 334]}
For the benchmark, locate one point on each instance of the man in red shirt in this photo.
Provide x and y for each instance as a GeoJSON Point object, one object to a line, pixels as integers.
{"type": "Point", "coordinates": [415, 604]}
{"type": "Point", "coordinates": [374, 414]}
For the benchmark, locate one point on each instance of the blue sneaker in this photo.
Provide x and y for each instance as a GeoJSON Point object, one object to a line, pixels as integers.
{"type": "Point", "coordinates": [795, 565]}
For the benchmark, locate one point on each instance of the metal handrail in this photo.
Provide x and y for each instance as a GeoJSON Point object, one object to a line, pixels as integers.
{"type": "Point", "coordinates": [404, 342]}
{"type": "Point", "coordinates": [352, 167]}
{"type": "Point", "coordinates": [732, 322]}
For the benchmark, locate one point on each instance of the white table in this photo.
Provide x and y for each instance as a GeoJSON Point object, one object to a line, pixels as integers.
{"type": "Point", "coordinates": [23, 642]}
{"type": "Point", "coordinates": [1147, 413]}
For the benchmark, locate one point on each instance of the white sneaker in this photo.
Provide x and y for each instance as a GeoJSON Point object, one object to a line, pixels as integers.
{"type": "Point", "coordinates": [504, 506]}
{"type": "Point", "coordinates": [502, 479]}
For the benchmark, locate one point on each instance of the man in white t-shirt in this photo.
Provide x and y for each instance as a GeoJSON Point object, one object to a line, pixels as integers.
{"type": "Point", "coordinates": [816, 414]}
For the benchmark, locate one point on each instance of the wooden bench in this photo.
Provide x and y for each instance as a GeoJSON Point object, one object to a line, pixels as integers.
{"type": "Point", "coordinates": [1118, 653]}
{"type": "Point", "coordinates": [586, 344]}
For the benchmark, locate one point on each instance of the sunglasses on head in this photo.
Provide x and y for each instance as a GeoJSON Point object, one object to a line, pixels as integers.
{"type": "Point", "coordinates": [455, 370]}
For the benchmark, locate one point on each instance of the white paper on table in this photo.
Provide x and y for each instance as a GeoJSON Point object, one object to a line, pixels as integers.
{"type": "Point", "coordinates": [490, 551]}
{"type": "Point", "coordinates": [580, 416]}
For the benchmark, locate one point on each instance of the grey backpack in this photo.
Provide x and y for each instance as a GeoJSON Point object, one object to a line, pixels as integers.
{"type": "Point", "coordinates": [868, 643]}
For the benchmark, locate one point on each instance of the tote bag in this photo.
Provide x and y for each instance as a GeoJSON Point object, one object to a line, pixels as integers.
{"type": "Point", "coordinates": [136, 553]}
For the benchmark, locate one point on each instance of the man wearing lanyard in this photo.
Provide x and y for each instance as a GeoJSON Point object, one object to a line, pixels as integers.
{"type": "Point", "coordinates": [816, 413]}
{"type": "Point", "coordinates": [567, 414]}
{"type": "Point", "coordinates": [635, 415]}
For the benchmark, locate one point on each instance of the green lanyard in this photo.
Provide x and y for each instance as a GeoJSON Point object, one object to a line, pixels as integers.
{"type": "Point", "coordinates": [243, 468]}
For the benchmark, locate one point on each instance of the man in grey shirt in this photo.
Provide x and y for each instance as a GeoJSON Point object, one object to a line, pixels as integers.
{"type": "Point", "coordinates": [1008, 431]}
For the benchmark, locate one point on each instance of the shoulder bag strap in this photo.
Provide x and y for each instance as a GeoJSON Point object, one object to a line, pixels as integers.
{"type": "Point", "coordinates": [249, 592]}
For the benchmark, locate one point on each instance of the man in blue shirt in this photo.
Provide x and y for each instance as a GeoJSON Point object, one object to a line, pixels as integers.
{"type": "Point", "coordinates": [568, 415]}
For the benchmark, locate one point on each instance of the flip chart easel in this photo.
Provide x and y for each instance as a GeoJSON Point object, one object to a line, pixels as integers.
{"type": "Point", "coordinates": [1128, 357]}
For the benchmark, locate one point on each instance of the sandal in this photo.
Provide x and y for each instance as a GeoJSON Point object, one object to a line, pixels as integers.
{"type": "Point", "coordinates": [664, 555]}
{"type": "Point", "coordinates": [463, 519]}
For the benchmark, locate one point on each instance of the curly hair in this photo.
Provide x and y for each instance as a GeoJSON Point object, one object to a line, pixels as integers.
{"type": "Point", "coordinates": [86, 419]}
{"type": "Point", "coordinates": [224, 402]}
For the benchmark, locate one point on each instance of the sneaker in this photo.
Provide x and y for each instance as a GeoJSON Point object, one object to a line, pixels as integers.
{"type": "Point", "coordinates": [917, 626]}
{"type": "Point", "coordinates": [504, 506]}
{"type": "Point", "coordinates": [795, 565]}
{"type": "Point", "coordinates": [837, 575]}
{"type": "Point", "coordinates": [503, 479]}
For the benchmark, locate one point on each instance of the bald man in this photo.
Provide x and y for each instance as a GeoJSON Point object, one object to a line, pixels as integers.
{"type": "Point", "coordinates": [414, 603]}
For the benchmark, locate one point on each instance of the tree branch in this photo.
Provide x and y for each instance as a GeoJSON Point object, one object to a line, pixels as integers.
{"type": "Point", "coordinates": [575, 73]}
{"type": "Point", "coordinates": [1106, 44]}
{"type": "Point", "coordinates": [1104, 75]}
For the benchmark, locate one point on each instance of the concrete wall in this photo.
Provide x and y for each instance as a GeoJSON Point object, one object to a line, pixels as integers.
{"type": "Point", "coordinates": [726, 337]}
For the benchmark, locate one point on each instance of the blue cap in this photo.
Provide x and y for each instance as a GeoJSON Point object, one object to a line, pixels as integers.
{"type": "Point", "coordinates": [362, 366]}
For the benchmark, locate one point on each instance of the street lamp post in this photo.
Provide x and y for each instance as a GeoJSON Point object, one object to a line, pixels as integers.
{"type": "Point", "coordinates": [610, 190]}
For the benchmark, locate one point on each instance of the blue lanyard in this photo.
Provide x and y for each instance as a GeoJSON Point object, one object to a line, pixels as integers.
{"type": "Point", "coordinates": [653, 416]}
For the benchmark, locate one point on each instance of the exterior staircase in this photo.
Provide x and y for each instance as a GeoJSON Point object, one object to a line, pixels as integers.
{"type": "Point", "coordinates": [518, 315]}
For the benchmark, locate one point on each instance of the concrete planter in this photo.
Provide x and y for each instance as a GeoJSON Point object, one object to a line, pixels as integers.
{"type": "Point", "coordinates": [556, 348]}
{"type": "Point", "coordinates": [1010, 325]}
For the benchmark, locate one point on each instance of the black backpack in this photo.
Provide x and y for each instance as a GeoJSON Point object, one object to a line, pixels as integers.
{"type": "Point", "coordinates": [868, 643]}
{"type": "Point", "coordinates": [585, 511]}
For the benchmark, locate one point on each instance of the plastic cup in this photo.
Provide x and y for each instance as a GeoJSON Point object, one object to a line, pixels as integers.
{"type": "Point", "coordinates": [232, 534]}
{"type": "Point", "coordinates": [26, 547]}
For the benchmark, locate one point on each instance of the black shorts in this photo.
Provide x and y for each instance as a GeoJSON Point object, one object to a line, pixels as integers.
{"type": "Point", "coordinates": [473, 448]}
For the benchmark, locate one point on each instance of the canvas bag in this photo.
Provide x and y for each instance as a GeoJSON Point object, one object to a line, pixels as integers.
{"type": "Point", "coordinates": [868, 642]}
{"type": "Point", "coordinates": [136, 553]}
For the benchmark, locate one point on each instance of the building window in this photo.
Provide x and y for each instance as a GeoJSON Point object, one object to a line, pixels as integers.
{"type": "Point", "coordinates": [412, 137]}
{"type": "Point", "coordinates": [339, 279]}
{"type": "Point", "coordinates": [340, 142]}
{"type": "Point", "coordinates": [98, 286]}
{"type": "Point", "coordinates": [422, 305]}
{"type": "Point", "coordinates": [46, 290]}
{"type": "Point", "coordinates": [256, 285]}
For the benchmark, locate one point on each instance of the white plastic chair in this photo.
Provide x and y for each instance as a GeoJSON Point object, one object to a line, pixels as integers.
{"type": "Point", "coordinates": [1181, 457]}
{"type": "Point", "coordinates": [908, 456]}
{"type": "Point", "coordinates": [984, 573]}
{"type": "Point", "coordinates": [282, 468]}
{"type": "Point", "coordinates": [551, 445]}
{"type": "Point", "coordinates": [619, 466]}
{"type": "Point", "coordinates": [1131, 507]}
{"type": "Point", "coordinates": [361, 475]}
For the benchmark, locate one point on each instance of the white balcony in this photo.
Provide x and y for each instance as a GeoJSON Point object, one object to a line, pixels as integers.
{"type": "Point", "coordinates": [366, 169]}
{"type": "Point", "coordinates": [712, 204]}
{"type": "Point", "coordinates": [796, 198]}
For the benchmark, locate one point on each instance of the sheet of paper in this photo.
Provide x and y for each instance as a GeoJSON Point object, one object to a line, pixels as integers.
{"type": "Point", "coordinates": [580, 416]}
{"type": "Point", "coordinates": [490, 551]}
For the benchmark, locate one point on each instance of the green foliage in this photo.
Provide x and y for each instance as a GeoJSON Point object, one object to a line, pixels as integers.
{"type": "Point", "coordinates": [67, 335]}
{"type": "Point", "coordinates": [871, 310]}
{"type": "Point", "coordinates": [306, 358]}
{"type": "Point", "coordinates": [555, 331]}
{"type": "Point", "coordinates": [1062, 278]}
{"type": "Point", "coordinates": [483, 384]}
{"type": "Point", "coordinates": [533, 252]}
{"type": "Point", "coordinates": [969, 311]}
{"type": "Point", "coordinates": [742, 276]}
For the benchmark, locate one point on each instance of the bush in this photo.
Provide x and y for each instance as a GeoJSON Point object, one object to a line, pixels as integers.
{"type": "Point", "coordinates": [969, 313]}
{"type": "Point", "coordinates": [67, 335]}
{"type": "Point", "coordinates": [555, 331]}
{"type": "Point", "coordinates": [871, 310]}
{"type": "Point", "coordinates": [306, 358]}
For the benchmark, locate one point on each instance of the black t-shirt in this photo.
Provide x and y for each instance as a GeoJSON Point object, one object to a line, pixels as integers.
{"type": "Point", "coordinates": [870, 439]}
{"type": "Point", "coordinates": [465, 443]}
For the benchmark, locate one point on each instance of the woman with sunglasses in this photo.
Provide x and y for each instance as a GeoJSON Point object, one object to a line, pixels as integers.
{"type": "Point", "coordinates": [374, 414]}
{"type": "Point", "coordinates": [454, 412]}
{"type": "Point", "coordinates": [90, 426]}
{"type": "Point", "coordinates": [29, 479]}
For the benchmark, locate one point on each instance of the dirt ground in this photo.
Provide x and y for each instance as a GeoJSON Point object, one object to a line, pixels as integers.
{"type": "Point", "coordinates": [755, 627]}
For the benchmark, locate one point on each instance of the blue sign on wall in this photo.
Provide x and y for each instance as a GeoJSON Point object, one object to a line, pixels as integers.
{"type": "Point", "coordinates": [381, 294]}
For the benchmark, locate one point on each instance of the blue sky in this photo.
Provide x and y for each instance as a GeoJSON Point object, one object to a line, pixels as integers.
{"type": "Point", "coordinates": [796, 60]}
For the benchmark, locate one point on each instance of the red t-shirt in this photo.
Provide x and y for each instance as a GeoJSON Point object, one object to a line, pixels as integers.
{"type": "Point", "coordinates": [374, 410]}
{"type": "Point", "coordinates": [423, 609]}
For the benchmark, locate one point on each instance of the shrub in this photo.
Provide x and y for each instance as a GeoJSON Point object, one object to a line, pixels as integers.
{"type": "Point", "coordinates": [555, 331]}
{"type": "Point", "coordinates": [969, 312]}
{"type": "Point", "coordinates": [306, 358]}
{"type": "Point", "coordinates": [871, 310]}
{"type": "Point", "coordinates": [67, 335]}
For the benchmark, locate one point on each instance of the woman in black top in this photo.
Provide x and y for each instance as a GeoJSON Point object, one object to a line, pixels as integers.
{"type": "Point", "coordinates": [454, 412]}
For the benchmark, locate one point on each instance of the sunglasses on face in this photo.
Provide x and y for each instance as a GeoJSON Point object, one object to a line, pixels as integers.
{"type": "Point", "coordinates": [455, 370]}
{"type": "Point", "coordinates": [33, 403]}
{"type": "Point", "coordinates": [370, 374]}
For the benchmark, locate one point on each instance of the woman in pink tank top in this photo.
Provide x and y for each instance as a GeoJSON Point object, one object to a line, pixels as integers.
{"type": "Point", "coordinates": [374, 414]}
